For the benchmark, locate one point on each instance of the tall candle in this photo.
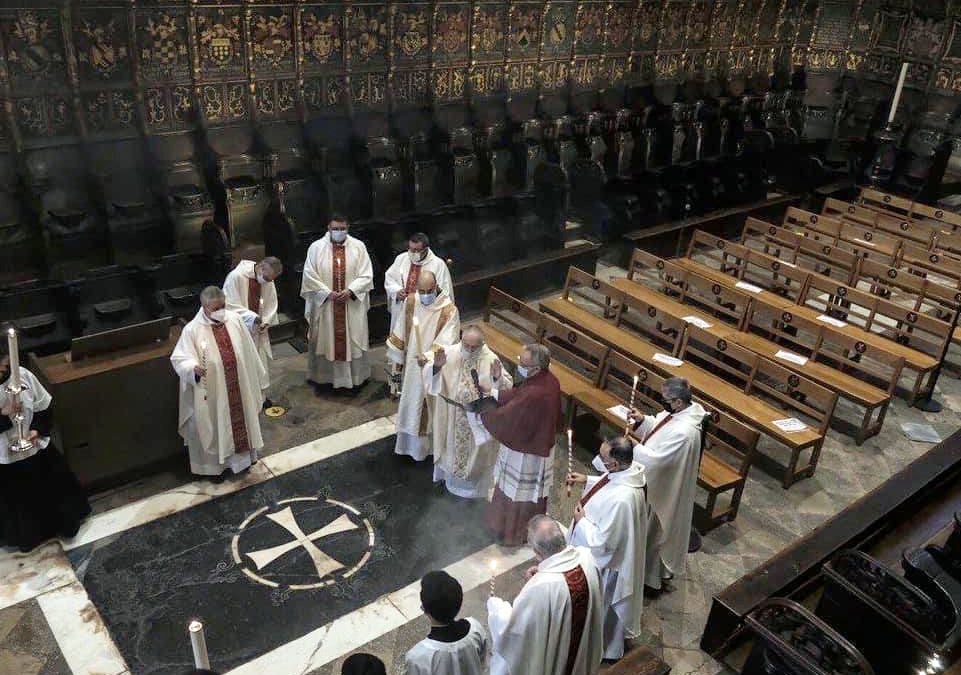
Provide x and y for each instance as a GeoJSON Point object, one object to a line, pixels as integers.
{"type": "Point", "coordinates": [199, 645]}
{"type": "Point", "coordinates": [417, 335]}
{"type": "Point", "coordinates": [897, 93]}
{"type": "Point", "coordinates": [570, 456]}
{"type": "Point", "coordinates": [14, 348]}
{"type": "Point", "coordinates": [203, 364]}
{"type": "Point", "coordinates": [493, 574]}
{"type": "Point", "coordinates": [630, 408]}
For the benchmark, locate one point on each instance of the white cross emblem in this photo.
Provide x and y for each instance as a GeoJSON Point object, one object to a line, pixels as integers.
{"type": "Point", "coordinates": [323, 562]}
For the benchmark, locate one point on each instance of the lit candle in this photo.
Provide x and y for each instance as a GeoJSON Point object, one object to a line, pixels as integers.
{"type": "Point", "coordinates": [14, 350]}
{"type": "Point", "coordinates": [199, 644]}
{"type": "Point", "coordinates": [203, 365]}
{"type": "Point", "coordinates": [416, 332]}
{"type": "Point", "coordinates": [897, 93]}
{"type": "Point", "coordinates": [570, 456]}
{"type": "Point", "coordinates": [493, 574]}
{"type": "Point", "coordinates": [627, 423]}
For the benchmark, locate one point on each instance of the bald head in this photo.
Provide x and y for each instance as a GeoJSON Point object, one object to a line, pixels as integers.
{"type": "Point", "coordinates": [472, 339]}
{"type": "Point", "coordinates": [426, 282]}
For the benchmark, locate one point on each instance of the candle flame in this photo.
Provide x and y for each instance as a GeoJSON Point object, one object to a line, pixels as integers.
{"type": "Point", "coordinates": [416, 322]}
{"type": "Point", "coordinates": [493, 566]}
{"type": "Point", "coordinates": [11, 332]}
{"type": "Point", "coordinates": [195, 626]}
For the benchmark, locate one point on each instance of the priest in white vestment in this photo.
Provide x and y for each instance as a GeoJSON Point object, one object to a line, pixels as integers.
{"type": "Point", "coordinates": [338, 278]}
{"type": "Point", "coordinates": [670, 452]}
{"type": "Point", "coordinates": [613, 520]}
{"type": "Point", "coordinates": [556, 624]}
{"type": "Point", "coordinates": [429, 322]}
{"type": "Point", "coordinates": [401, 277]}
{"type": "Point", "coordinates": [251, 292]}
{"type": "Point", "coordinates": [464, 466]}
{"type": "Point", "coordinates": [453, 646]}
{"type": "Point", "coordinates": [222, 383]}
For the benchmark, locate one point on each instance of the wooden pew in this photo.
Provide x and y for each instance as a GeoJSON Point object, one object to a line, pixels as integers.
{"type": "Point", "coordinates": [863, 239]}
{"type": "Point", "coordinates": [805, 252]}
{"type": "Point", "coordinates": [734, 400]}
{"type": "Point", "coordinates": [729, 444]}
{"type": "Point", "coordinates": [772, 389]}
{"type": "Point", "coordinates": [909, 209]}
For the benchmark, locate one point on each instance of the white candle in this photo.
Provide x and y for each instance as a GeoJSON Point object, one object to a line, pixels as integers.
{"type": "Point", "coordinates": [416, 335]}
{"type": "Point", "coordinates": [627, 426]}
{"type": "Point", "coordinates": [14, 359]}
{"type": "Point", "coordinates": [897, 93]}
{"type": "Point", "coordinates": [203, 365]}
{"type": "Point", "coordinates": [199, 644]}
{"type": "Point", "coordinates": [570, 457]}
{"type": "Point", "coordinates": [493, 574]}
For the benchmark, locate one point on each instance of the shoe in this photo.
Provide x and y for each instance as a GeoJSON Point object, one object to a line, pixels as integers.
{"type": "Point", "coordinates": [268, 403]}
{"type": "Point", "coordinates": [217, 480]}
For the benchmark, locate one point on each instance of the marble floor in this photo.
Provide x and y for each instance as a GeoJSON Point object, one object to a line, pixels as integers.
{"type": "Point", "coordinates": [48, 624]}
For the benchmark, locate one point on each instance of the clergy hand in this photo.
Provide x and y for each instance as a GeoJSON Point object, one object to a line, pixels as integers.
{"type": "Point", "coordinates": [576, 478]}
{"type": "Point", "coordinates": [340, 296]}
{"type": "Point", "coordinates": [496, 369]}
{"type": "Point", "coordinates": [401, 295]}
{"type": "Point", "coordinates": [440, 358]}
{"type": "Point", "coordinates": [578, 512]}
{"type": "Point", "coordinates": [635, 417]}
{"type": "Point", "coordinates": [421, 360]}
{"type": "Point", "coordinates": [531, 571]}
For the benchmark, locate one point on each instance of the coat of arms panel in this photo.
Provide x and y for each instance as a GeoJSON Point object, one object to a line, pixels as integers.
{"type": "Point", "coordinates": [322, 34]}
{"type": "Point", "coordinates": [162, 44]}
{"type": "Point", "coordinates": [34, 48]}
{"type": "Point", "coordinates": [411, 27]}
{"type": "Point", "coordinates": [367, 35]}
{"type": "Point", "coordinates": [451, 29]}
{"type": "Point", "coordinates": [219, 42]}
{"type": "Point", "coordinates": [488, 34]}
{"type": "Point", "coordinates": [101, 40]}
{"type": "Point", "coordinates": [272, 39]}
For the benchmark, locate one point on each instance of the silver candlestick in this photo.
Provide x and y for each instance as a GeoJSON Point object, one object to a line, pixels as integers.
{"type": "Point", "coordinates": [21, 444]}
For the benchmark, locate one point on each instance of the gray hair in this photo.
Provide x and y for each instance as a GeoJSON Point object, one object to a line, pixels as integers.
{"type": "Point", "coordinates": [545, 536]}
{"type": "Point", "coordinates": [473, 329]}
{"type": "Point", "coordinates": [622, 449]}
{"type": "Point", "coordinates": [273, 262]}
{"type": "Point", "coordinates": [677, 387]}
{"type": "Point", "coordinates": [211, 294]}
{"type": "Point", "coordinates": [540, 354]}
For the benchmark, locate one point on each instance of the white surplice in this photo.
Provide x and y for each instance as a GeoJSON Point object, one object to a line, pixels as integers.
{"type": "Point", "coordinates": [237, 288]}
{"type": "Point", "coordinates": [621, 531]}
{"type": "Point", "coordinates": [465, 467]}
{"type": "Point", "coordinates": [317, 284]}
{"type": "Point", "coordinates": [33, 399]}
{"type": "Point", "coordinates": [467, 656]}
{"type": "Point", "coordinates": [671, 458]}
{"type": "Point", "coordinates": [533, 636]}
{"type": "Point", "coordinates": [395, 279]}
{"type": "Point", "coordinates": [438, 325]}
{"type": "Point", "coordinates": [204, 421]}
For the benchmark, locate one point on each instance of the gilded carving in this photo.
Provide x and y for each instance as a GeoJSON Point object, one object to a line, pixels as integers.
{"type": "Point", "coordinates": [322, 35]}
{"type": "Point", "coordinates": [558, 28]}
{"type": "Point", "coordinates": [410, 87]}
{"type": "Point", "coordinates": [525, 29]}
{"type": "Point", "coordinates": [182, 103]}
{"type": "Point", "coordinates": [619, 27]}
{"type": "Point", "coordinates": [156, 109]}
{"type": "Point", "coordinates": [43, 116]}
{"type": "Point", "coordinates": [162, 42]}
{"type": "Point", "coordinates": [218, 33]}
{"type": "Point", "coordinates": [618, 70]}
{"type": "Point", "coordinates": [489, 21]}
{"type": "Point", "coordinates": [697, 24]}
{"type": "Point", "coordinates": [586, 72]}
{"type": "Point", "coordinates": [368, 89]}
{"type": "Point", "coordinates": [34, 49]}
{"type": "Point", "coordinates": [271, 38]}
{"type": "Point", "coordinates": [276, 98]}
{"type": "Point", "coordinates": [590, 27]}
{"type": "Point", "coordinates": [674, 26]}
{"type": "Point", "coordinates": [410, 31]}
{"type": "Point", "coordinates": [450, 30]}
{"type": "Point", "coordinates": [925, 37]}
{"type": "Point", "coordinates": [722, 22]}
{"type": "Point", "coordinates": [648, 18]}
{"type": "Point", "coordinates": [101, 45]}
{"type": "Point", "coordinates": [109, 110]}
{"type": "Point", "coordinates": [367, 28]}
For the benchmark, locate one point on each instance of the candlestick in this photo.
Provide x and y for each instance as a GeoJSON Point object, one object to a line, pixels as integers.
{"type": "Point", "coordinates": [493, 574]}
{"type": "Point", "coordinates": [630, 408]}
{"type": "Point", "coordinates": [570, 457]}
{"type": "Point", "coordinates": [199, 644]}
{"type": "Point", "coordinates": [203, 365]}
{"type": "Point", "coordinates": [897, 93]}
{"type": "Point", "coordinates": [14, 349]}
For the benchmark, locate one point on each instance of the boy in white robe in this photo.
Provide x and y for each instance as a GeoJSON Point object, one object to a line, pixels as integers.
{"type": "Point", "coordinates": [251, 292]}
{"type": "Point", "coordinates": [222, 383]}
{"type": "Point", "coordinates": [465, 467]}
{"type": "Point", "coordinates": [556, 624]}
{"type": "Point", "coordinates": [670, 452]}
{"type": "Point", "coordinates": [453, 647]}
{"type": "Point", "coordinates": [338, 278]}
{"type": "Point", "coordinates": [401, 277]}
{"type": "Point", "coordinates": [612, 519]}
{"type": "Point", "coordinates": [429, 322]}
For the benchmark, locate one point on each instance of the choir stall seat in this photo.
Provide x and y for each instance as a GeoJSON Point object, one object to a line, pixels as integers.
{"type": "Point", "coordinates": [329, 138]}
{"type": "Point", "coordinates": [182, 188]}
{"type": "Point", "coordinates": [241, 175]}
{"type": "Point", "coordinates": [528, 146]}
{"type": "Point", "coordinates": [384, 177]}
{"type": "Point", "coordinates": [494, 161]}
{"type": "Point", "coordinates": [74, 231]}
{"type": "Point", "coordinates": [177, 280]}
{"type": "Point", "coordinates": [20, 242]}
{"type": "Point", "coordinates": [41, 311]}
{"type": "Point", "coordinates": [496, 237]}
{"type": "Point", "coordinates": [112, 297]}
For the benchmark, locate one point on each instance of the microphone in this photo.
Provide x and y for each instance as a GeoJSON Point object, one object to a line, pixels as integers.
{"type": "Point", "coordinates": [476, 379]}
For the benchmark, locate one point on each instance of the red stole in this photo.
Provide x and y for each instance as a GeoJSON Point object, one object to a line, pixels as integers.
{"type": "Point", "coordinates": [253, 296]}
{"type": "Point", "coordinates": [580, 597]}
{"type": "Point", "coordinates": [657, 427]}
{"type": "Point", "coordinates": [412, 278]}
{"type": "Point", "coordinates": [235, 403]}
{"type": "Point", "coordinates": [339, 254]}
{"type": "Point", "coordinates": [605, 479]}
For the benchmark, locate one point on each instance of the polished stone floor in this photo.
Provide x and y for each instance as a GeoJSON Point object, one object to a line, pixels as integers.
{"type": "Point", "coordinates": [48, 624]}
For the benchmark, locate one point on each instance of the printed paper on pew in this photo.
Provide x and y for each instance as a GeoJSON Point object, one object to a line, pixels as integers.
{"type": "Point", "coordinates": [700, 323]}
{"type": "Point", "coordinates": [831, 320]}
{"type": "Point", "coordinates": [790, 425]}
{"type": "Point", "coordinates": [750, 288]}
{"type": "Point", "coordinates": [668, 360]}
{"type": "Point", "coordinates": [620, 411]}
{"type": "Point", "coordinates": [791, 356]}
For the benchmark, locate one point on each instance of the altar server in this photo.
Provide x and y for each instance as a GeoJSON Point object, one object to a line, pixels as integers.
{"type": "Point", "coordinates": [453, 646]}
{"type": "Point", "coordinates": [556, 624]}
{"type": "Point", "coordinates": [612, 520]}
{"type": "Point", "coordinates": [525, 424]}
{"type": "Point", "coordinates": [40, 497]}
{"type": "Point", "coordinates": [251, 292]}
{"type": "Point", "coordinates": [363, 664]}
{"type": "Point", "coordinates": [222, 384]}
{"type": "Point", "coordinates": [463, 465]}
{"type": "Point", "coordinates": [429, 322]}
{"type": "Point", "coordinates": [670, 452]}
{"type": "Point", "coordinates": [401, 277]}
{"type": "Point", "coordinates": [338, 278]}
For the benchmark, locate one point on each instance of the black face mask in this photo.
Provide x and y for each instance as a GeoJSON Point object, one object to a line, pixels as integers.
{"type": "Point", "coordinates": [667, 406]}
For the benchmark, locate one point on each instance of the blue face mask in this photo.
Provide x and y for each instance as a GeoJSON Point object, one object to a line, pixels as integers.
{"type": "Point", "coordinates": [523, 371]}
{"type": "Point", "coordinates": [338, 236]}
{"type": "Point", "coordinates": [427, 298]}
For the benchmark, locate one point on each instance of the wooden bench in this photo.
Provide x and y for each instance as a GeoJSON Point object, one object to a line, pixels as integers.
{"type": "Point", "coordinates": [877, 200]}
{"type": "Point", "coordinates": [804, 252]}
{"type": "Point", "coordinates": [729, 445]}
{"type": "Point", "coordinates": [611, 331]}
{"type": "Point", "coordinates": [861, 238]}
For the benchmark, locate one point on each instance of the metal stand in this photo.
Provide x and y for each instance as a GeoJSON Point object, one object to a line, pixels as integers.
{"type": "Point", "coordinates": [21, 444]}
{"type": "Point", "coordinates": [881, 168]}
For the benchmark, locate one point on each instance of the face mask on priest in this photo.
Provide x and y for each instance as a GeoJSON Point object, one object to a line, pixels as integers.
{"type": "Point", "coordinates": [218, 315]}
{"type": "Point", "coordinates": [428, 298]}
{"type": "Point", "coordinates": [338, 231]}
{"type": "Point", "coordinates": [417, 257]}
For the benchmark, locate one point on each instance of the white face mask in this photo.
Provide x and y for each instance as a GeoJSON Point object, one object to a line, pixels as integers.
{"type": "Point", "coordinates": [261, 279]}
{"type": "Point", "coordinates": [427, 298]}
{"type": "Point", "coordinates": [523, 371]}
{"type": "Point", "coordinates": [338, 236]}
{"type": "Point", "coordinates": [218, 315]}
{"type": "Point", "coordinates": [417, 257]}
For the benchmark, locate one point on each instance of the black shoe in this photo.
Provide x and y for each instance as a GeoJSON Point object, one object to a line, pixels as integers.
{"type": "Point", "coordinates": [268, 403]}
{"type": "Point", "coordinates": [217, 480]}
